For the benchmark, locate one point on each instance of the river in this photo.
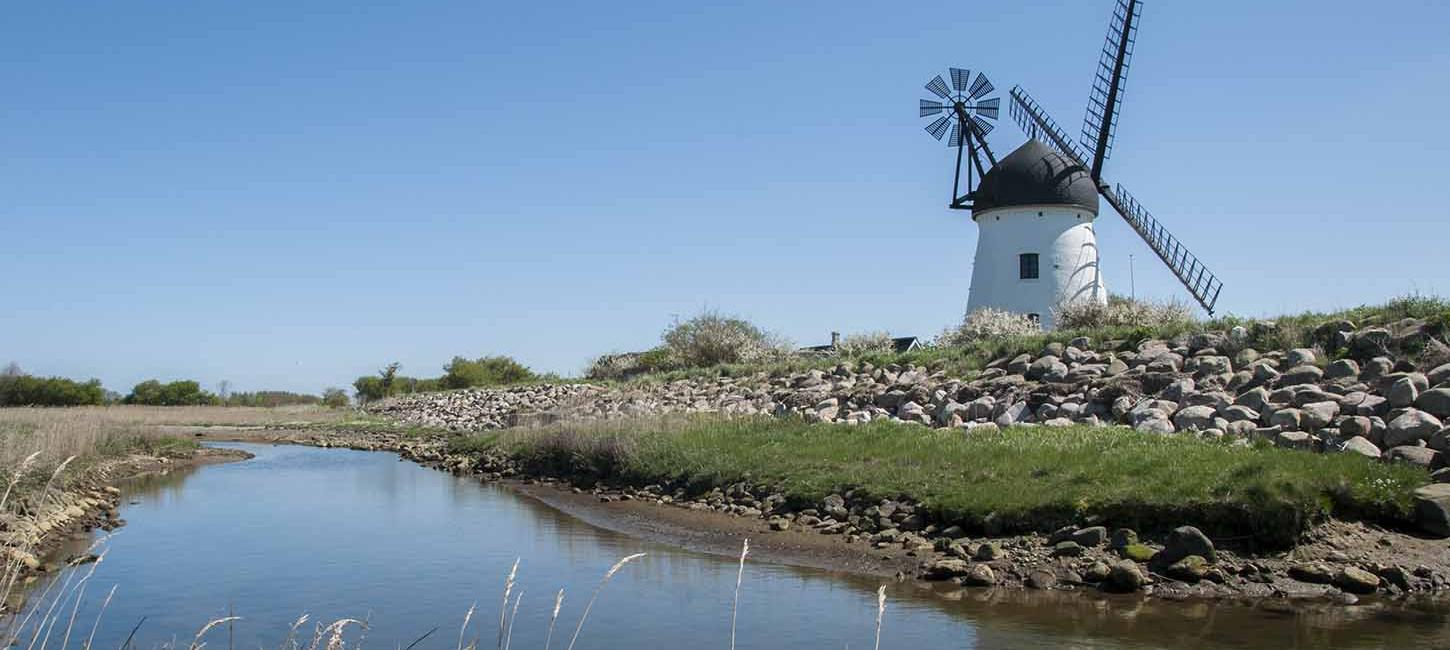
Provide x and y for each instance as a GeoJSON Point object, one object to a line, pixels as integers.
{"type": "Point", "coordinates": [336, 533]}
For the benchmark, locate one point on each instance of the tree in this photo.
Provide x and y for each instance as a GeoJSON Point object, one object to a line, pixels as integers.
{"type": "Point", "coordinates": [334, 398]}
{"type": "Point", "coordinates": [177, 393]}
{"type": "Point", "coordinates": [388, 374]}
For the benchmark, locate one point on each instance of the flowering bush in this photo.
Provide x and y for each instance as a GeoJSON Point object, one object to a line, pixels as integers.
{"type": "Point", "coordinates": [987, 324]}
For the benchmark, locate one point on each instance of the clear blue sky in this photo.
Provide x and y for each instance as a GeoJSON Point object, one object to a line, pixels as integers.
{"type": "Point", "coordinates": [289, 194]}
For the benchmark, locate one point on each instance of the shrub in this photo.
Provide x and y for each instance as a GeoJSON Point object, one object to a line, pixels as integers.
{"type": "Point", "coordinates": [712, 338]}
{"type": "Point", "coordinates": [1123, 312]}
{"type": "Point", "coordinates": [989, 324]}
{"type": "Point", "coordinates": [177, 393]}
{"type": "Point", "coordinates": [484, 371]}
{"type": "Point", "coordinates": [369, 388]}
{"type": "Point", "coordinates": [334, 398]}
{"type": "Point", "coordinates": [858, 345]}
{"type": "Point", "coordinates": [269, 399]}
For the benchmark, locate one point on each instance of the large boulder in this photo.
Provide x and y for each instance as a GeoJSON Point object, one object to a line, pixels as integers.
{"type": "Point", "coordinates": [1435, 401]}
{"type": "Point", "coordinates": [1439, 375]}
{"type": "Point", "coordinates": [1342, 369]}
{"type": "Point", "coordinates": [1298, 375]}
{"type": "Point", "coordinates": [1199, 418]}
{"type": "Point", "coordinates": [1403, 393]}
{"type": "Point", "coordinates": [1183, 542]}
{"type": "Point", "coordinates": [1412, 426]}
{"type": "Point", "coordinates": [1318, 415]}
{"type": "Point", "coordinates": [1432, 509]}
{"type": "Point", "coordinates": [1124, 577]}
{"type": "Point", "coordinates": [1362, 446]}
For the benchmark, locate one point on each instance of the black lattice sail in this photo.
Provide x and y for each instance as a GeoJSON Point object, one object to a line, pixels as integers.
{"type": "Point", "coordinates": [963, 109]}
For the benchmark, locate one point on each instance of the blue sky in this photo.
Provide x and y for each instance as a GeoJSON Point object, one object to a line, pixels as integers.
{"type": "Point", "coordinates": [287, 195]}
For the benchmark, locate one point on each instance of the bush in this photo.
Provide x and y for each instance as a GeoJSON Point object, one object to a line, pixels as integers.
{"type": "Point", "coordinates": [335, 398]}
{"type": "Point", "coordinates": [858, 345]}
{"type": "Point", "coordinates": [177, 393]}
{"type": "Point", "coordinates": [484, 371]}
{"type": "Point", "coordinates": [1123, 312]}
{"type": "Point", "coordinates": [19, 389]}
{"type": "Point", "coordinates": [712, 338]}
{"type": "Point", "coordinates": [987, 324]}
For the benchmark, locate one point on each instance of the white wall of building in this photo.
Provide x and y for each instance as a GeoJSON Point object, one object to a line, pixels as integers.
{"type": "Point", "coordinates": [1067, 249]}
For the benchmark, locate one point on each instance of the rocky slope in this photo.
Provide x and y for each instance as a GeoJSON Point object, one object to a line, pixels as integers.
{"type": "Point", "coordinates": [1373, 398]}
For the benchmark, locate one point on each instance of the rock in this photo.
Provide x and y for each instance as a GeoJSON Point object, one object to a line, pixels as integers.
{"type": "Point", "coordinates": [1342, 369]}
{"type": "Point", "coordinates": [1440, 441]}
{"type": "Point", "coordinates": [1294, 440]}
{"type": "Point", "coordinates": [1318, 415]}
{"type": "Point", "coordinates": [1190, 569]}
{"type": "Point", "coordinates": [1042, 366]}
{"type": "Point", "coordinates": [1014, 414]}
{"type": "Point", "coordinates": [1067, 549]}
{"type": "Point", "coordinates": [1154, 421]}
{"type": "Point", "coordinates": [1138, 552]}
{"type": "Point", "coordinates": [1185, 541]}
{"type": "Point", "coordinates": [1289, 419]}
{"type": "Point", "coordinates": [1312, 572]}
{"type": "Point", "coordinates": [1435, 401]}
{"type": "Point", "coordinates": [1041, 579]}
{"type": "Point", "coordinates": [1439, 375]}
{"type": "Point", "coordinates": [1410, 427]}
{"type": "Point", "coordinates": [1362, 446]}
{"type": "Point", "coordinates": [1299, 375]}
{"type": "Point", "coordinates": [1403, 393]}
{"type": "Point", "coordinates": [1196, 418]}
{"type": "Point", "coordinates": [1098, 572]}
{"type": "Point", "coordinates": [946, 569]}
{"type": "Point", "coordinates": [1355, 425]}
{"type": "Point", "coordinates": [1123, 537]}
{"type": "Point", "coordinates": [779, 524]}
{"type": "Point", "coordinates": [1422, 456]}
{"type": "Point", "coordinates": [1356, 580]}
{"type": "Point", "coordinates": [1432, 509]}
{"type": "Point", "coordinates": [1090, 537]}
{"type": "Point", "coordinates": [979, 575]}
{"type": "Point", "coordinates": [1299, 357]}
{"type": "Point", "coordinates": [1124, 577]}
{"type": "Point", "coordinates": [987, 552]}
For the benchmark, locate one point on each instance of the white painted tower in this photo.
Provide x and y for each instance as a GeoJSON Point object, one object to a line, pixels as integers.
{"type": "Point", "coordinates": [1035, 243]}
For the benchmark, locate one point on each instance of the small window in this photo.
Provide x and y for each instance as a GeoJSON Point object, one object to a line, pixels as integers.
{"type": "Point", "coordinates": [1036, 318]}
{"type": "Point", "coordinates": [1027, 266]}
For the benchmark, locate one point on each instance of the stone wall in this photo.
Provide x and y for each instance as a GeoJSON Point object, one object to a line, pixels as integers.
{"type": "Point", "coordinates": [1359, 391]}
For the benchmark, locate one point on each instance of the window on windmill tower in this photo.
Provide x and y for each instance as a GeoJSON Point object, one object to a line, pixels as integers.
{"type": "Point", "coordinates": [1027, 266]}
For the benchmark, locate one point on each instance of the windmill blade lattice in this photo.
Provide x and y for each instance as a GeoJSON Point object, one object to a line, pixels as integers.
{"type": "Point", "coordinates": [969, 116]}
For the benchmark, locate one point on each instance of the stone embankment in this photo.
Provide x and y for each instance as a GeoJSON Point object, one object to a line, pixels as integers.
{"type": "Point", "coordinates": [1375, 397]}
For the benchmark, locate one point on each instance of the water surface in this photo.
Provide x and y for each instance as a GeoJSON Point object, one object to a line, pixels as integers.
{"type": "Point", "coordinates": [338, 533]}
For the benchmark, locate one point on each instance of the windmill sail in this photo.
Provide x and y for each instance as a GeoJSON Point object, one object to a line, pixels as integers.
{"type": "Point", "coordinates": [1200, 282]}
{"type": "Point", "coordinates": [1106, 98]}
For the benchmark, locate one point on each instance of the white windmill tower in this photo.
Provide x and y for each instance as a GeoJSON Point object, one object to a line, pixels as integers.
{"type": "Point", "coordinates": [1034, 209]}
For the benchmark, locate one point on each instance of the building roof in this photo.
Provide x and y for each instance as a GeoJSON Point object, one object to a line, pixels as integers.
{"type": "Point", "coordinates": [1035, 174]}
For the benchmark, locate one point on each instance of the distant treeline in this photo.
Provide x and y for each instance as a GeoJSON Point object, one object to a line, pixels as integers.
{"type": "Point", "coordinates": [17, 388]}
{"type": "Point", "coordinates": [461, 372]}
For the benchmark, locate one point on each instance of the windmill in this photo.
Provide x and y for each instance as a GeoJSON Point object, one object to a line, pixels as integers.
{"type": "Point", "coordinates": [1035, 209]}
{"type": "Point", "coordinates": [1100, 125]}
{"type": "Point", "coordinates": [969, 117]}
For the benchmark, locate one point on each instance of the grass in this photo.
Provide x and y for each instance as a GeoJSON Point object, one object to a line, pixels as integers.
{"type": "Point", "coordinates": [1022, 479]}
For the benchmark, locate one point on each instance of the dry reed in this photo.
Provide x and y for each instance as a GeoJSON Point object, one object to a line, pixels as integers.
{"type": "Point", "coordinates": [553, 618]}
{"type": "Point", "coordinates": [739, 577]}
{"type": "Point", "coordinates": [603, 581]}
{"type": "Point", "coordinates": [880, 613]}
{"type": "Point", "coordinates": [508, 587]}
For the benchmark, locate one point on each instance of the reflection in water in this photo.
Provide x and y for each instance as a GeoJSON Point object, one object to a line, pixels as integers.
{"type": "Point", "coordinates": [343, 533]}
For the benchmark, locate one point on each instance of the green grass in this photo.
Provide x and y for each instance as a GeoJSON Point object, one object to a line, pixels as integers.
{"type": "Point", "coordinates": [1021, 480]}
